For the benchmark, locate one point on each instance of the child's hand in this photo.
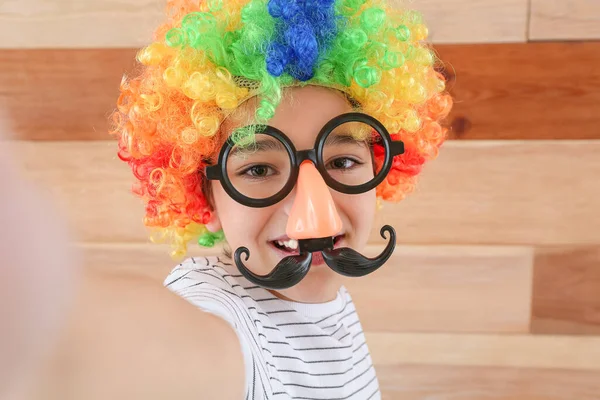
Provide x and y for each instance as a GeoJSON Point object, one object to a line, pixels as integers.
{"type": "Point", "coordinates": [37, 272]}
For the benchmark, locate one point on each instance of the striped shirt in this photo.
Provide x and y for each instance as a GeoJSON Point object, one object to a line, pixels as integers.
{"type": "Point", "coordinates": [291, 350]}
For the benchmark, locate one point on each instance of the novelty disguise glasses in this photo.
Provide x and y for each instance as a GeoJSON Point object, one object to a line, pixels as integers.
{"type": "Point", "coordinates": [264, 171]}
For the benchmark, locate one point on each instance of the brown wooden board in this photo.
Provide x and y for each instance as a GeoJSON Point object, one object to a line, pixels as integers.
{"type": "Point", "coordinates": [502, 91]}
{"type": "Point", "coordinates": [61, 94]}
{"type": "Point", "coordinates": [564, 19]}
{"type": "Point", "coordinates": [419, 382]}
{"type": "Point", "coordinates": [566, 291]}
{"type": "Point", "coordinates": [524, 91]}
{"type": "Point", "coordinates": [129, 23]}
{"type": "Point", "coordinates": [490, 350]}
{"type": "Point", "coordinates": [467, 21]}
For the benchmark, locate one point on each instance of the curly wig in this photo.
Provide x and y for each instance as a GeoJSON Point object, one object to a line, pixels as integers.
{"type": "Point", "coordinates": [210, 56]}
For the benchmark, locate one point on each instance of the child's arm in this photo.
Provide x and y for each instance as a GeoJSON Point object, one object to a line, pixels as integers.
{"type": "Point", "coordinates": [133, 339]}
{"type": "Point", "coordinates": [126, 337]}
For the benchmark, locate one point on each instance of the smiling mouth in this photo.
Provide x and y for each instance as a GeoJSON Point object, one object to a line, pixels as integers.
{"type": "Point", "coordinates": [290, 246]}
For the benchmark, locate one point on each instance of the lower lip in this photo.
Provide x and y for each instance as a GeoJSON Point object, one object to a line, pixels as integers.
{"type": "Point", "coordinates": [317, 258]}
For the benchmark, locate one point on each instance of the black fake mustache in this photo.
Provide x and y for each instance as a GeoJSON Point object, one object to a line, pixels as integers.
{"type": "Point", "coordinates": [292, 269]}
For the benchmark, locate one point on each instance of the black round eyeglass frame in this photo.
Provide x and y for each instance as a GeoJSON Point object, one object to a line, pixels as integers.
{"type": "Point", "coordinates": [391, 147]}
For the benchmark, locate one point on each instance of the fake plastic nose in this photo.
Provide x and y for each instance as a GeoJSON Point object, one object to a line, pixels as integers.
{"type": "Point", "coordinates": [313, 214]}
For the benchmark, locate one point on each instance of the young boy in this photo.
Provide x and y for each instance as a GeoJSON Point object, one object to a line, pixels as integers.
{"type": "Point", "coordinates": [276, 125]}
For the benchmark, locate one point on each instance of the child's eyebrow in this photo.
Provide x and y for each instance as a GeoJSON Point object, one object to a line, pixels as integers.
{"type": "Point", "coordinates": [343, 138]}
{"type": "Point", "coordinates": [260, 145]}
{"type": "Point", "coordinates": [270, 144]}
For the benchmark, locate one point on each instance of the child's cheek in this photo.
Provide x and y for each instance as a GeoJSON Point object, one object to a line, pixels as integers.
{"type": "Point", "coordinates": [359, 211]}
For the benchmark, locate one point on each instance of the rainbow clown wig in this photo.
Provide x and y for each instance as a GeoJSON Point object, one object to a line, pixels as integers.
{"type": "Point", "coordinates": [212, 55]}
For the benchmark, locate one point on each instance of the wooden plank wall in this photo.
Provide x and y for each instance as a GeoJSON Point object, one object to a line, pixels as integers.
{"type": "Point", "coordinates": [494, 291]}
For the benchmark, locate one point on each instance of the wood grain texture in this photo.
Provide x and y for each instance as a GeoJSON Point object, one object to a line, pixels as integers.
{"type": "Point", "coordinates": [564, 19]}
{"type": "Point", "coordinates": [566, 291]}
{"type": "Point", "coordinates": [421, 288]}
{"type": "Point", "coordinates": [78, 24]}
{"type": "Point", "coordinates": [480, 192]}
{"type": "Point", "coordinates": [420, 382]}
{"type": "Point", "coordinates": [130, 23]}
{"type": "Point", "coordinates": [147, 260]}
{"type": "Point", "coordinates": [524, 91]}
{"type": "Point", "coordinates": [515, 351]}
{"type": "Point", "coordinates": [447, 289]}
{"type": "Point", "coordinates": [482, 21]}
{"type": "Point", "coordinates": [61, 94]}
{"type": "Point", "coordinates": [503, 192]}
{"type": "Point", "coordinates": [69, 94]}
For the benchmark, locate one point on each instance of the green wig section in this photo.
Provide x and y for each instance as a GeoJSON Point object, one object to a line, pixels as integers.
{"type": "Point", "coordinates": [370, 41]}
{"type": "Point", "coordinates": [241, 51]}
{"type": "Point", "coordinates": [210, 239]}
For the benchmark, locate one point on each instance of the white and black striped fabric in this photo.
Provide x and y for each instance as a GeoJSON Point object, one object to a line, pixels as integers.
{"type": "Point", "coordinates": [291, 350]}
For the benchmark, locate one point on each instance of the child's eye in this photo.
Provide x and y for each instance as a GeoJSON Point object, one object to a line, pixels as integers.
{"type": "Point", "coordinates": [343, 163]}
{"type": "Point", "coordinates": [258, 171]}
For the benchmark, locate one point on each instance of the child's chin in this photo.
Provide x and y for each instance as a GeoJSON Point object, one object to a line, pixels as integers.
{"type": "Point", "coordinates": [321, 285]}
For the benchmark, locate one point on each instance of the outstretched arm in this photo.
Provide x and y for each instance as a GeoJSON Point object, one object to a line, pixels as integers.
{"type": "Point", "coordinates": [108, 336]}
{"type": "Point", "coordinates": [131, 338]}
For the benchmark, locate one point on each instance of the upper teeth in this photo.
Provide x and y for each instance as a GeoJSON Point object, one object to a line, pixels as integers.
{"type": "Point", "coordinates": [290, 244]}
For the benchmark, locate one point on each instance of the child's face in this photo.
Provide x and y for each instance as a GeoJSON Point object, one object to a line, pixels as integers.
{"type": "Point", "coordinates": [301, 115]}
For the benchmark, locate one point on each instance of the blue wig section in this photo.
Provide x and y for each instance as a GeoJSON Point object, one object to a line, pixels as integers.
{"type": "Point", "coordinates": [304, 31]}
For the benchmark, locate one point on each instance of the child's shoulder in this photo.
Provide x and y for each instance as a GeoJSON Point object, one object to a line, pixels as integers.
{"type": "Point", "coordinates": [201, 271]}
{"type": "Point", "coordinates": [212, 284]}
